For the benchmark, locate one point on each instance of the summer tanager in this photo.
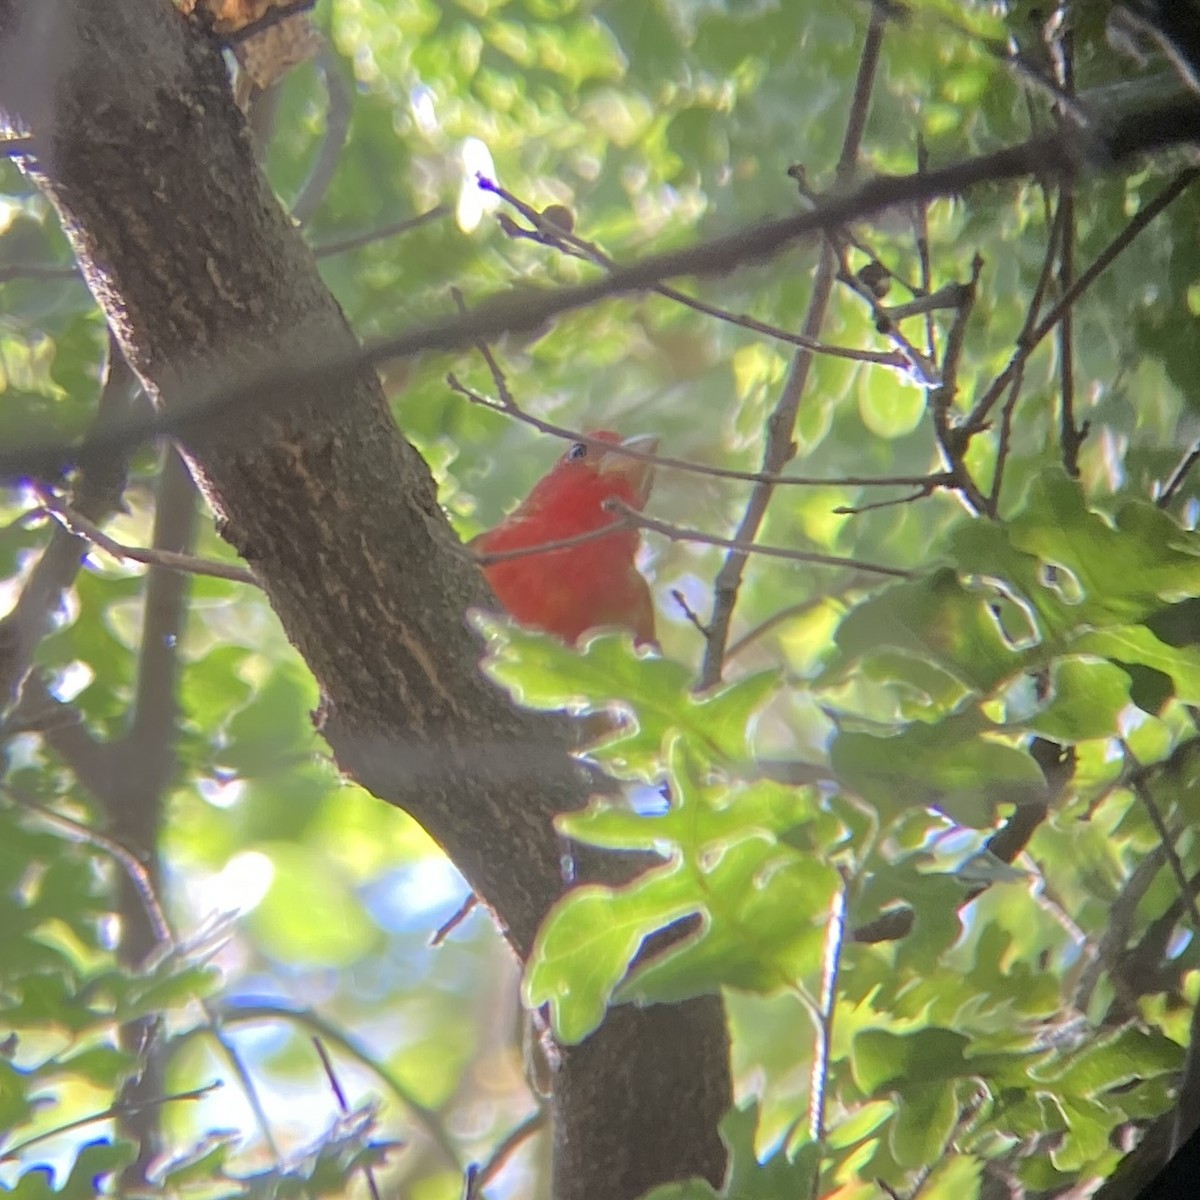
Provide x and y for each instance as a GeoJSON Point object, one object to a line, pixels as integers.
{"type": "Point", "coordinates": [595, 583]}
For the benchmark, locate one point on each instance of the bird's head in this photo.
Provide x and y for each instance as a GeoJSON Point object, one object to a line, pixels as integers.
{"type": "Point", "coordinates": [590, 472]}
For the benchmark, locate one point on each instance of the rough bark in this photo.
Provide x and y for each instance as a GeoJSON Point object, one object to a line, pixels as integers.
{"type": "Point", "coordinates": [206, 283]}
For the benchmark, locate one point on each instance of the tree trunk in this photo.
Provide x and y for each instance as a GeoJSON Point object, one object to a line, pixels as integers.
{"type": "Point", "coordinates": [207, 285]}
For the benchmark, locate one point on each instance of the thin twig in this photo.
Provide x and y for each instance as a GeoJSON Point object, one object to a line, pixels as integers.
{"type": "Point", "coordinates": [772, 622]}
{"type": "Point", "coordinates": [478, 1177]}
{"type": "Point", "coordinates": [133, 866]}
{"type": "Point", "coordinates": [548, 233]}
{"type": "Point", "coordinates": [1142, 791]}
{"type": "Point", "coordinates": [456, 918]}
{"type": "Point", "coordinates": [338, 108]}
{"type": "Point", "coordinates": [429, 1120]}
{"type": "Point", "coordinates": [835, 940]}
{"type": "Point", "coordinates": [13, 147]}
{"type": "Point", "coordinates": [74, 522]}
{"type": "Point", "coordinates": [273, 16]}
{"type": "Point", "coordinates": [949, 297]}
{"type": "Point", "coordinates": [847, 236]}
{"type": "Point", "coordinates": [358, 240]}
{"type": "Point", "coordinates": [978, 416]}
{"type": "Point", "coordinates": [689, 612]}
{"type": "Point", "coordinates": [490, 558]}
{"type": "Point", "coordinates": [343, 1107]}
{"type": "Point", "coordinates": [853, 510]}
{"type": "Point", "coordinates": [509, 407]}
{"type": "Point", "coordinates": [507, 402]}
{"type": "Point", "coordinates": [842, 239]}
{"type": "Point", "coordinates": [1070, 436]}
{"type": "Point", "coordinates": [921, 224]}
{"type": "Point", "coordinates": [1032, 312]}
{"type": "Point", "coordinates": [924, 370]}
{"type": "Point", "coordinates": [96, 492]}
{"type": "Point", "coordinates": [1179, 475]}
{"type": "Point", "coordinates": [952, 439]}
{"type": "Point", "coordinates": [780, 447]}
{"type": "Point", "coordinates": [678, 533]}
{"type": "Point", "coordinates": [43, 272]}
{"type": "Point", "coordinates": [1003, 443]}
{"type": "Point", "coordinates": [115, 1110]}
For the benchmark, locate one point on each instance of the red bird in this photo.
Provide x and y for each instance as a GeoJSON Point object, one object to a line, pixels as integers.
{"type": "Point", "coordinates": [569, 591]}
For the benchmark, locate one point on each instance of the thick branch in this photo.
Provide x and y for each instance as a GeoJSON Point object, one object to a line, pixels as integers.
{"type": "Point", "coordinates": [210, 289]}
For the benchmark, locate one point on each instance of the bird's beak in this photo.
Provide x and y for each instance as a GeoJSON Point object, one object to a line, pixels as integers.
{"type": "Point", "coordinates": [639, 472]}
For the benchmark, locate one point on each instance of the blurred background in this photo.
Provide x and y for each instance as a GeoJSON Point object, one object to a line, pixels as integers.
{"type": "Point", "coordinates": [297, 904]}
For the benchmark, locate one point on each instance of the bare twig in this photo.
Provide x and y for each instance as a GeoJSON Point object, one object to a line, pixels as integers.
{"type": "Point", "coordinates": [1032, 312]}
{"type": "Point", "coordinates": [851, 510]}
{"type": "Point", "coordinates": [489, 558]}
{"type": "Point", "coordinates": [116, 1110]}
{"type": "Point", "coordinates": [1167, 840]}
{"type": "Point", "coordinates": [547, 233]}
{"type": "Point", "coordinates": [340, 1096]}
{"type": "Point", "coordinates": [339, 104]}
{"type": "Point", "coordinates": [97, 492]}
{"type": "Point", "coordinates": [331, 1034]}
{"type": "Point", "coordinates": [865, 283]}
{"type": "Point", "coordinates": [924, 371]}
{"type": "Point", "coordinates": [273, 16]}
{"type": "Point", "coordinates": [689, 612]}
{"type": "Point", "coordinates": [978, 416]}
{"type": "Point", "coordinates": [188, 564]}
{"type": "Point", "coordinates": [921, 225]}
{"type": "Point", "coordinates": [14, 147]}
{"type": "Point", "coordinates": [456, 918]}
{"type": "Point", "coordinates": [1070, 436]}
{"type": "Point", "coordinates": [952, 439]}
{"type": "Point", "coordinates": [835, 940]}
{"type": "Point", "coordinates": [509, 407]}
{"type": "Point", "coordinates": [1179, 475]}
{"type": "Point", "coordinates": [780, 448]}
{"type": "Point", "coordinates": [950, 297]}
{"type": "Point", "coordinates": [774, 621]}
{"type": "Point", "coordinates": [679, 533]}
{"type": "Point", "coordinates": [42, 272]}
{"type": "Point", "coordinates": [129, 862]}
{"type": "Point", "coordinates": [485, 351]}
{"type": "Point", "coordinates": [478, 1177]}
{"type": "Point", "coordinates": [358, 240]}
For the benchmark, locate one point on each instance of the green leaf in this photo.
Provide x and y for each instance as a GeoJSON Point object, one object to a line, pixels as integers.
{"type": "Point", "coordinates": [736, 858]}
{"type": "Point", "coordinates": [956, 765]}
{"type": "Point", "coordinates": [588, 940]}
{"type": "Point", "coordinates": [1086, 699]}
{"type": "Point", "coordinates": [783, 1175]}
{"type": "Point", "coordinates": [542, 672]}
{"type": "Point", "coordinates": [1111, 1061]}
{"type": "Point", "coordinates": [934, 618]}
{"type": "Point", "coordinates": [925, 1119]}
{"type": "Point", "coordinates": [1136, 644]}
{"type": "Point", "coordinates": [101, 1066]}
{"type": "Point", "coordinates": [15, 1104]}
{"type": "Point", "coordinates": [885, 1060]}
{"type": "Point", "coordinates": [765, 908]}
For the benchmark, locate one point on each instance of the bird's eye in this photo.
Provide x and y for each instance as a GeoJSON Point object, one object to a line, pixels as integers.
{"type": "Point", "coordinates": [577, 451]}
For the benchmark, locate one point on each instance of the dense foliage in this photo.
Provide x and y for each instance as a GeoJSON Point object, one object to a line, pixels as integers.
{"type": "Point", "coordinates": [932, 808]}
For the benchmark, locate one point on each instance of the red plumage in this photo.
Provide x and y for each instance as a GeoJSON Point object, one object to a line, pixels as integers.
{"type": "Point", "coordinates": [585, 586]}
